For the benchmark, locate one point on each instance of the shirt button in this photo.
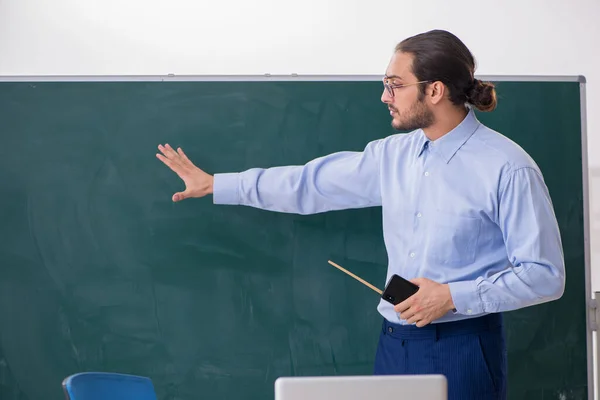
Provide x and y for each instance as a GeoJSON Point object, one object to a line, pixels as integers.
{"type": "Point", "coordinates": [412, 255]}
{"type": "Point", "coordinates": [419, 215]}
{"type": "Point", "coordinates": [426, 173]}
{"type": "Point", "coordinates": [469, 311]}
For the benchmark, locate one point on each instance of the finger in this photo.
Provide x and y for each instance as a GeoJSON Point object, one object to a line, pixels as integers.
{"type": "Point", "coordinates": [163, 149]}
{"type": "Point", "coordinates": [408, 315]}
{"type": "Point", "coordinates": [178, 197]}
{"type": "Point", "coordinates": [165, 160]}
{"type": "Point", "coordinates": [168, 151]}
{"type": "Point", "coordinates": [422, 323]}
{"type": "Point", "coordinates": [413, 319]}
{"type": "Point", "coordinates": [182, 154]}
{"type": "Point", "coordinates": [403, 306]}
{"type": "Point", "coordinates": [181, 195]}
{"type": "Point", "coordinates": [169, 163]}
{"type": "Point", "coordinates": [170, 154]}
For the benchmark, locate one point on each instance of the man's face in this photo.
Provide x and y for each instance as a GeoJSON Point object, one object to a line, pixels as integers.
{"type": "Point", "coordinates": [408, 109]}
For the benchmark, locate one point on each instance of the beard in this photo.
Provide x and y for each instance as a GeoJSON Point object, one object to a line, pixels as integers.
{"type": "Point", "coordinates": [418, 116]}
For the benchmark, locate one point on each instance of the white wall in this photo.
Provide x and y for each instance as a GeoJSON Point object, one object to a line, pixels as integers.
{"type": "Point", "coordinates": [537, 37]}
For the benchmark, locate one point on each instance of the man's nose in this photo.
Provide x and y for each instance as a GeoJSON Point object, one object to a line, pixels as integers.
{"type": "Point", "coordinates": [385, 97]}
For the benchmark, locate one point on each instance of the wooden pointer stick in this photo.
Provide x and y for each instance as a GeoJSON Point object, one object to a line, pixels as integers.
{"type": "Point", "coordinates": [355, 277]}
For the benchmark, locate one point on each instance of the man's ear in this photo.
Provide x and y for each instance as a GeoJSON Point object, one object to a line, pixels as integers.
{"type": "Point", "coordinates": [436, 92]}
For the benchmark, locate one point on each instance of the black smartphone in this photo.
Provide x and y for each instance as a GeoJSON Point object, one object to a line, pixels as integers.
{"type": "Point", "coordinates": [398, 289]}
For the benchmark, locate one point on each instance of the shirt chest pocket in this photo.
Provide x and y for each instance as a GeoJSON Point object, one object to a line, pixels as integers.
{"type": "Point", "coordinates": [453, 239]}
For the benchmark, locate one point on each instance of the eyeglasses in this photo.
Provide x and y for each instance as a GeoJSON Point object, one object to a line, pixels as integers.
{"type": "Point", "coordinates": [390, 87]}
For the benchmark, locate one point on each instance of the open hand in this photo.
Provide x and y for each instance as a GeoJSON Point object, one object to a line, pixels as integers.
{"type": "Point", "coordinates": [197, 182]}
{"type": "Point", "coordinates": [432, 301]}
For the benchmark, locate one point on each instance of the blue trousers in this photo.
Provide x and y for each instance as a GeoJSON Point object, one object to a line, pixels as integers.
{"type": "Point", "coordinates": [470, 353]}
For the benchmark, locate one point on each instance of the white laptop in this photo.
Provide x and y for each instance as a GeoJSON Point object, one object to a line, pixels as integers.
{"type": "Point", "coordinates": [396, 387]}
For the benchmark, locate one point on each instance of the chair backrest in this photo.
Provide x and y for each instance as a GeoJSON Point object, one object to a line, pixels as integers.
{"type": "Point", "coordinates": [108, 386]}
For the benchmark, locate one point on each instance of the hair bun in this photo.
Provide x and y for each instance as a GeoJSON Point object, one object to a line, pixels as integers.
{"type": "Point", "coordinates": [482, 95]}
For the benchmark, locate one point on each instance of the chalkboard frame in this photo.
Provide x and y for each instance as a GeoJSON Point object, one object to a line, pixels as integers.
{"type": "Point", "coordinates": [590, 302]}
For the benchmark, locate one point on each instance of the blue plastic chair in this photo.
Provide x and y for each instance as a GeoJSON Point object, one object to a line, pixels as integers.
{"type": "Point", "coordinates": [108, 386]}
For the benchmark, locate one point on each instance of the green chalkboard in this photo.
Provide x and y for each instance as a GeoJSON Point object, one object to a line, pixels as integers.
{"type": "Point", "coordinates": [101, 271]}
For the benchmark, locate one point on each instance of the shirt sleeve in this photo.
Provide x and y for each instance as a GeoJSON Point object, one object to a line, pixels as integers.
{"type": "Point", "coordinates": [536, 273]}
{"type": "Point", "coordinates": [337, 181]}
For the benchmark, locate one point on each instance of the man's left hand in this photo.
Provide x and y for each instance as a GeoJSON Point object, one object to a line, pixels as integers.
{"type": "Point", "coordinates": [432, 301]}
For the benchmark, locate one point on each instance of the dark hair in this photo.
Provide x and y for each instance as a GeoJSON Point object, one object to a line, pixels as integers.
{"type": "Point", "coordinates": [441, 56]}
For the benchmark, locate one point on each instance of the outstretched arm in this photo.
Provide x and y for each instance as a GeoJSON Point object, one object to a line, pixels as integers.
{"type": "Point", "coordinates": [337, 181]}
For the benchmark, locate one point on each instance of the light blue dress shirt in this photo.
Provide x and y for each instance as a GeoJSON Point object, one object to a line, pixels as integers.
{"type": "Point", "coordinates": [470, 209]}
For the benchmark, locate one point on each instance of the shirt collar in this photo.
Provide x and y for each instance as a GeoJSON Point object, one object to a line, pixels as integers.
{"type": "Point", "coordinates": [448, 145]}
{"type": "Point", "coordinates": [423, 143]}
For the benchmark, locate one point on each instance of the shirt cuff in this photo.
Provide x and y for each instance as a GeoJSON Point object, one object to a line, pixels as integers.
{"type": "Point", "coordinates": [225, 189]}
{"type": "Point", "coordinates": [465, 297]}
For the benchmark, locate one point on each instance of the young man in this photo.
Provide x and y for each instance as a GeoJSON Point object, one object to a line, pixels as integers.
{"type": "Point", "coordinates": [466, 216]}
